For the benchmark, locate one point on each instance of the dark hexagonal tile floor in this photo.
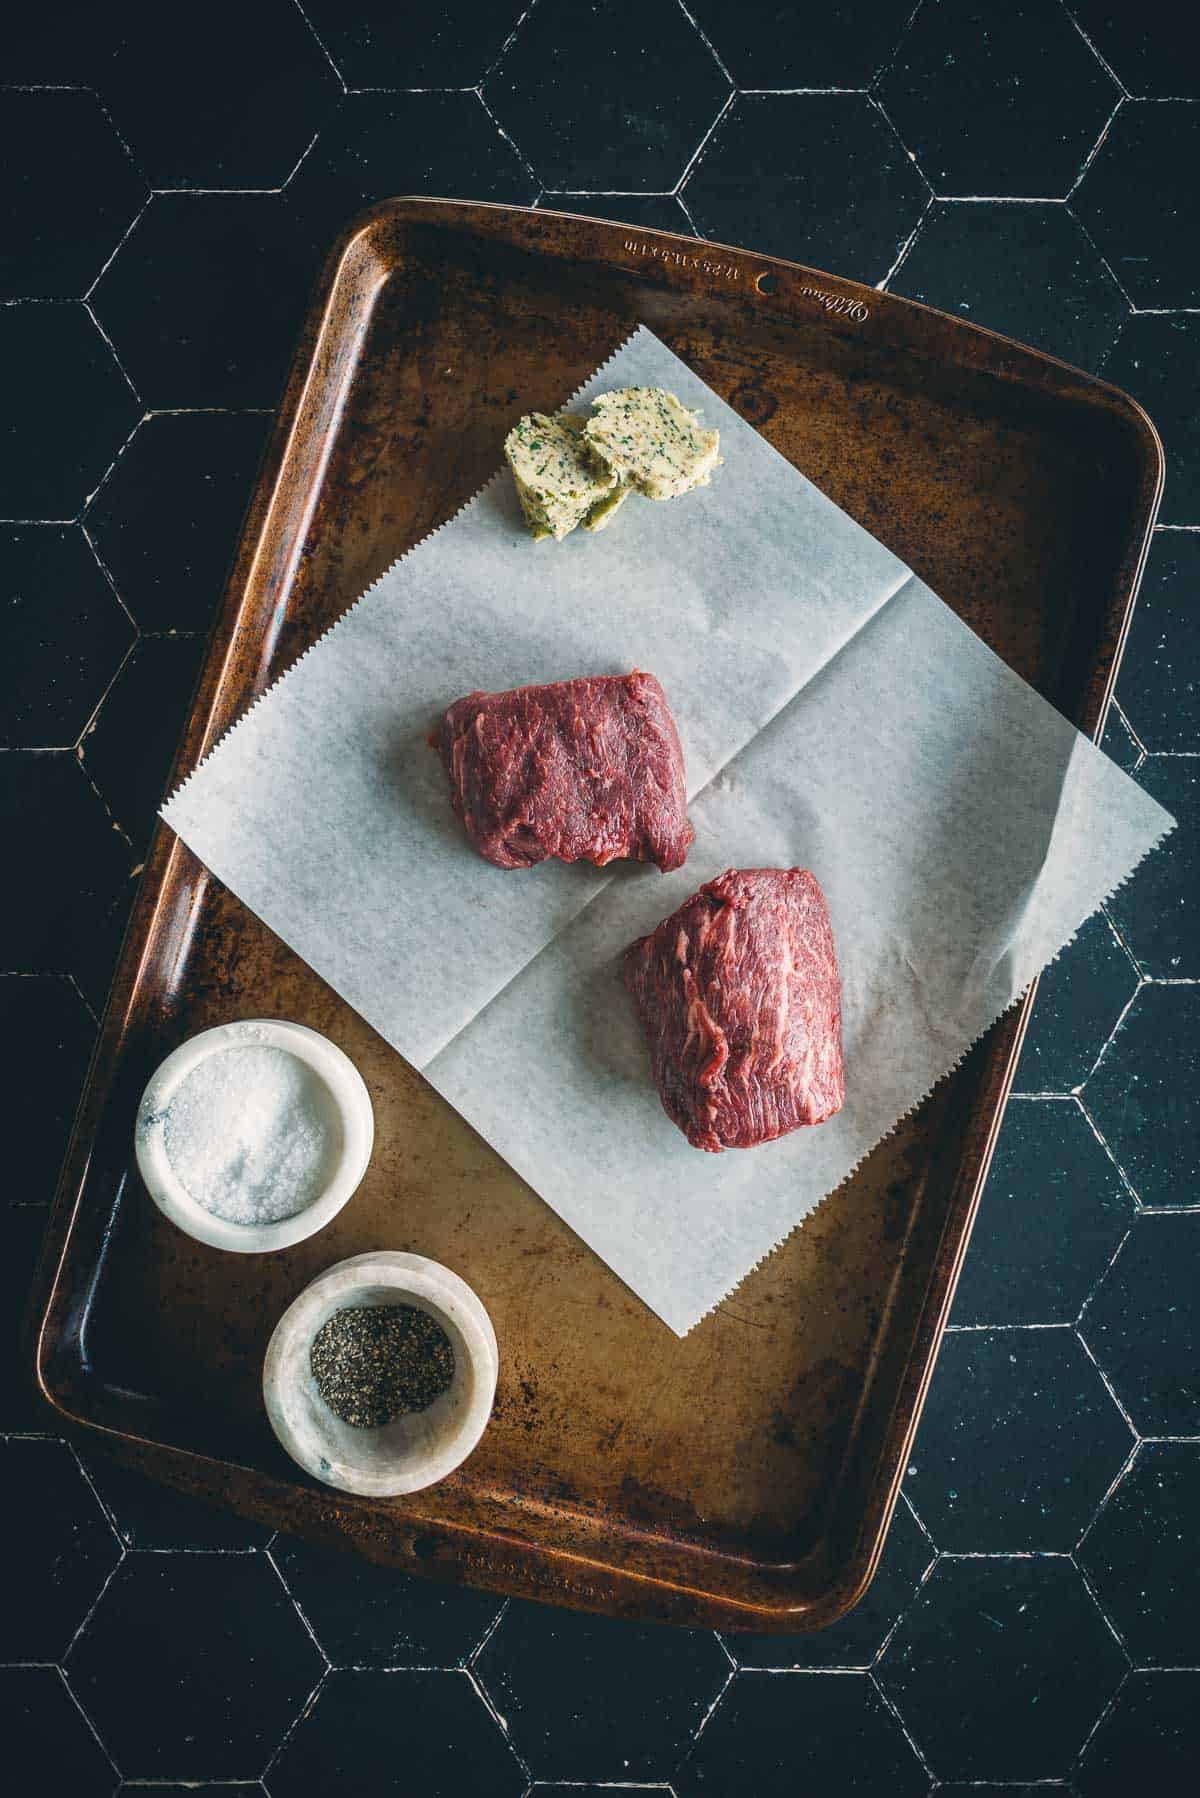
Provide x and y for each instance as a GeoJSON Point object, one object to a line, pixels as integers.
{"type": "Point", "coordinates": [67, 410]}
{"type": "Point", "coordinates": [1149, 47]}
{"type": "Point", "coordinates": [1140, 204]}
{"type": "Point", "coordinates": [995, 264]}
{"type": "Point", "coordinates": [194, 1665]}
{"type": "Point", "coordinates": [61, 43]}
{"type": "Point", "coordinates": [376, 43]}
{"type": "Point", "coordinates": [1051, 1217]}
{"type": "Point", "coordinates": [1158, 913]}
{"type": "Point", "coordinates": [382, 144]}
{"type": "Point", "coordinates": [978, 1672]}
{"type": "Point", "coordinates": [73, 862]}
{"type": "Point", "coordinates": [48, 1747]}
{"type": "Point", "coordinates": [857, 1639]}
{"type": "Point", "coordinates": [67, 1549]}
{"type": "Point", "coordinates": [654, 212]}
{"type": "Point", "coordinates": [150, 1515]}
{"type": "Point", "coordinates": [70, 194]}
{"type": "Point", "coordinates": [1026, 103]}
{"type": "Point", "coordinates": [1157, 359]}
{"type": "Point", "coordinates": [1143, 1328]}
{"type": "Point", "coordinates": [397, 1733]}
{"type": "Point", "coordinates": [1144, 1094]}
{"type": "Point", "coordinates": [765, 44]}
{"type": "Point", "coordinates": [1079, 999]}
{"type": "Point", "coordinates": [1160, 671]}
{"type": "Point", "coordinates": [166, 519]}
{"type": "Point", "coordinates": [850, 214]}
{"type": "Point", "coordinates": [1019, 1442]}
{"type": "Point", "coordinates": [368, 1616]}
{"type": "Point", "coordinates": [128, 751]}
{"type": "Point", "coordinates": [1140, 1554]}
{"type": "Point", "coordinates": [46, 1016]}
{"type": "Point", "coordinates": [21, 1231]}
{"type": "Point", "coordinates": [778, 1734]}
{"type": "Point", "coordinates": [257, 83]}
{"type": "Point", "coordinates": [63, 634]}
{"type": "Point", "coordinates": [623, 126]}
{"type": "Point", "coordinates": [205, 296]}
{"type": "Point", "coordinates": [594, 1692]}
{"type": "Point", "coordinates": [1149, 1742]}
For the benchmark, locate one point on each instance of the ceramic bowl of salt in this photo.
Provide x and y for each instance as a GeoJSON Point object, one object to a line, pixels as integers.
{"type": "Point", "coordinates": [253, 1135]}
{"type": "Point", "coordinates": [400, 1450]}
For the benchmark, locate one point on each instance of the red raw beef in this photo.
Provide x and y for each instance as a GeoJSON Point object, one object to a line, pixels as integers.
{"type": "Point", "coordinates": [585, 770]}
{"type": "Point", "coordinates": [741, 1001]}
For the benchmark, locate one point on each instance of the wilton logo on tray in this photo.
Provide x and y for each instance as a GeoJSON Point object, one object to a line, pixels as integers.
{"type": "Point", "coordinates": [837, 303]}
{"type": "Point", "coordinates": [727, 270]}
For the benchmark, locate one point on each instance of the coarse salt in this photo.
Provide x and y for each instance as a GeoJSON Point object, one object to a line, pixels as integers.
{"type": "Point", "coordinates": [253, 1134]}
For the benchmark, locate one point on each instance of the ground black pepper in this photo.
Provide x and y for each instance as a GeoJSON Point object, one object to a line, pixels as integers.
{"type": "Point", "coordinates": [374, 1363]}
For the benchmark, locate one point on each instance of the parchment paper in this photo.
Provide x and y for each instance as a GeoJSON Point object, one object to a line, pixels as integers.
{"type": "Point", "coordinates": [834, 715]}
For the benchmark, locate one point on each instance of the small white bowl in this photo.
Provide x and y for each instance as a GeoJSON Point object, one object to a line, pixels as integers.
{"type": "Point", "coordinates": [413, 1451]}
{"type": "Point", "coordinates": [341, 1079]}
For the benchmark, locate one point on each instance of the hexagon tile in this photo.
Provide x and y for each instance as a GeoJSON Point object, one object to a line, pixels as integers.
{"type": "Point", "coordinates": [381, 144]}
{"type": "Point", "coordinates": [995, 264]}
{"type": "Point", "coordinates": [432, 1729]}
{"type": "Point", "coordinates": [368, 1616]}
{"type": "Point", "coordinates": [67, 1549]}
{"type": "Point", "coordinates": [1145, 1098]}
{"type": "Point", "coordinates": [46, 1015]}
{"type": "Point", "coordinates": [165, 520]}
{"type": "Point", "coordinates": [977, 1668]}
{"type": "Point", "coordinates": [777, 1734]}
{"type": "Point", "coordinates": [376, 43]}
{"type": "Point", "coordinates": [997, 100]}
{"type": "Point", "coordinates": [853, 213]}
{"type": "Point", "coordinates": [593, 1692]}
{"type": "Point", "coordinates": [1145, 224]}
{"type": "Point", "coordinates": [47, 1740]}
{"type": "Point", "coordinates": [1143, 1326]}
{"type": "Point", "coordinates": [1080, 998]}
{"type": "Point", "coordinates": [1159, 682]}
{"type": "Point", "coordinates": [1051, 1218]}
{"type": "Point", "coordinates": [75, 195]}
{"type": "Point", "coordinates": [67, 410]}
{"type": "Point", "coordinates": [1019, 1442]}
{"type": "Point", "coordinates": [129, 750]}
{"type": "Point", "coordinates": [194, 1665]}
{"type": "Point", "coordinates": [1140, 1554]}
{"type": "Point", "coordinates": [1149, 1741]}
{"type": "Point", "coordinates": [624, 125]}
{"type": "Point", "coordinates": [1157, 358]}
{"type": "Point", "coordinates": [766, 45]}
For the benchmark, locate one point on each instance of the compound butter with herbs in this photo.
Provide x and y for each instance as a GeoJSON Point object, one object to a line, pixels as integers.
{"type": "Point", "coordinates": [559, 479]}
{"type": "Point", "coordinates": [652, 442]}
{"type": "Point", "coordinates": [573, 471]}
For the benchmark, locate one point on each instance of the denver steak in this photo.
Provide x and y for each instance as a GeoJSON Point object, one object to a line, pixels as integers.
{"type": "Point", "coordinates": [585, 770]}
{"type": "Point", "coordinates": [741, 1003]}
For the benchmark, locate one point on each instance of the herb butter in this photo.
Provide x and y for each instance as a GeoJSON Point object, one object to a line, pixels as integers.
{"type": "Point", "coordinates": [560, 480]}
{"type": "Point", "coordinates": [651, 441]}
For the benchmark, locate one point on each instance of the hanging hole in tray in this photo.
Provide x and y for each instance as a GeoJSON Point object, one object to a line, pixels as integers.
{"type": "Point", "coordinates": [766, 282]}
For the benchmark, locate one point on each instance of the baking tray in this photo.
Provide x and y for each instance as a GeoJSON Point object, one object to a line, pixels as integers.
{"type": "Point", "coordinates": [743, 1477]}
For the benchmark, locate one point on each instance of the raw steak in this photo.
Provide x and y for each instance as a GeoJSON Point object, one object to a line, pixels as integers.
{"type": "Point", "coordinates": [585, 770]}
{"type": "Point", "coordinates": [741, 1001]}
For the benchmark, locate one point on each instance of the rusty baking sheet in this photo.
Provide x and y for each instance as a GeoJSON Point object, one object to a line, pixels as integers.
{"type": "Point", "coordinates": [745, 1476]}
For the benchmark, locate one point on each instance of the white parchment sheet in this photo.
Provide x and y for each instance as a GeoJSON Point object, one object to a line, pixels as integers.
{"type": "Point", "coordinates": [835, 715]}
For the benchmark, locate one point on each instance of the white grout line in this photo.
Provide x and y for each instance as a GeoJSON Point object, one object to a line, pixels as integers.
{"type": "Point", "coordinates": [906, 246]}
{"type": "Point", "coordinates": [1096, 1131]}
{"type": "Point", "coordinates": [510, 141]}
{"type": "Point", "coordinates": [76, 1701]}
{"type": "Point", "coordinates": [694, 160]}
{"type": "Point", "coordinates": [321, 44]}
{"type": "Point", "coordinates": [708, 43]}
{"type": "Point", "coordinates": [874, 101]}
{"type": "Point", "coordinates": [1096, 147]}
{"type": "Point", "coordinates": [1104, 63]}
{"type": "Point", "coordinates": [506, 46]}
{"type": "Point", "coordinates": [1116, 1480]}
{"type": "Point", "coordinates": [501, 1722]}
{"type": "Point", "coordinates": [90, 289]}
{"type": "Point", "coordinates": [1107, 1383]}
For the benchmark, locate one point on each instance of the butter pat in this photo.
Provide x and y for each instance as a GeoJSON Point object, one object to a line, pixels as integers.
{"type": "Point", "coordinates": [560, 480]}
{"type": "Point", "coordinates": [651, 441]}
